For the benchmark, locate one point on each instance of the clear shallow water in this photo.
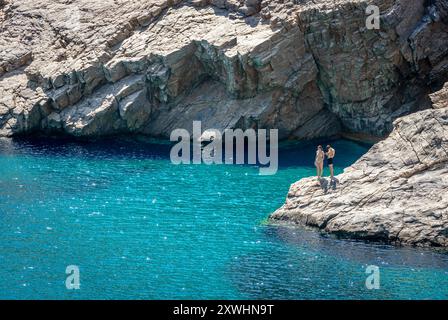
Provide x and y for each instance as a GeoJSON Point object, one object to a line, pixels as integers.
{"type": "Point", "coordinates": [139, 227]}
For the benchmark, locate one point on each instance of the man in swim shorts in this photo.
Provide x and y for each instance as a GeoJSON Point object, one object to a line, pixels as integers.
{"type": "Point", "coordinates": [330, 156]}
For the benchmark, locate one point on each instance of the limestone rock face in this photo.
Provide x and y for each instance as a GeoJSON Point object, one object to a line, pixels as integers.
{"type": "Point", "coordinates": [308, 68]}
{"type": "Point", "coordinates": [396, 193]}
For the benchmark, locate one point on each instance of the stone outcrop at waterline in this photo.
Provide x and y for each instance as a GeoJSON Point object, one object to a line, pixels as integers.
{"type": "Point", "coordinates": [308, 68]}
{"type": "Point", "coordinates": [396, 193]}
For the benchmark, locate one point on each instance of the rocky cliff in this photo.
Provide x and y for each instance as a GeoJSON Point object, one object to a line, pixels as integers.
{"type": "Point", "coordinates": [396, 193]}
{"type": "Point", "coordinates": [310, 68]}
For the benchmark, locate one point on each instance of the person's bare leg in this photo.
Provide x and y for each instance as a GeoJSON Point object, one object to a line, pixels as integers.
{"type": "Point", "coordinates": [321, 170]}
{"type": "Point", "coordinates": [331, 171]}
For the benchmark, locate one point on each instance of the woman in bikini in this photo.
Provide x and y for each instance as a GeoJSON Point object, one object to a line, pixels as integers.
{"type": "Point", "coordinates": [319, 162]}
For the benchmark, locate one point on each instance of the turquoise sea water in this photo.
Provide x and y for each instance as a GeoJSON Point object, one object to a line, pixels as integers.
{"type": "Point", "coordinates": [139, 227]}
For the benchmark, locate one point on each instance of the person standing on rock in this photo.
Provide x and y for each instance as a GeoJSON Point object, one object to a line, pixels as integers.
{"type": "Point", "coordinates": [319, 162]}
{"type": "Point", "coordinates": [330, 155]}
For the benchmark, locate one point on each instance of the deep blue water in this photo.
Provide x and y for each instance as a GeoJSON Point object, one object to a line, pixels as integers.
{"type": "Point", "coordinates": [139, 227]}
